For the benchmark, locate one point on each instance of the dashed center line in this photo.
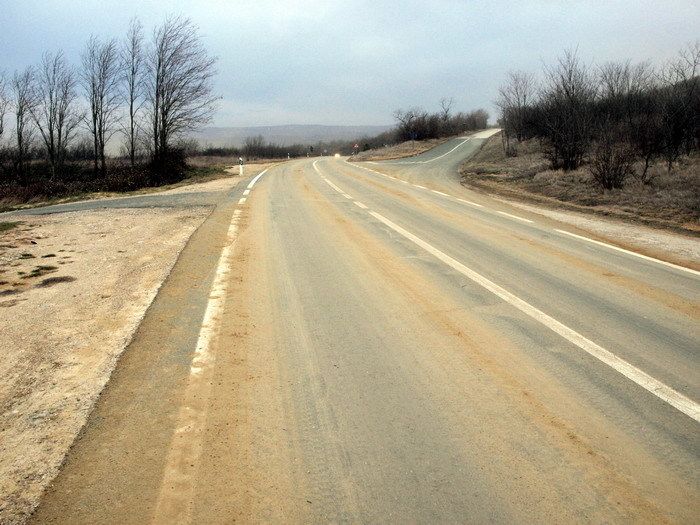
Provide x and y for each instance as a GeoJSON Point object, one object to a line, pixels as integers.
{"type": "Point", "coordinates": [514, 216]}
{"type": "Point", "coordinates": [470, 202]}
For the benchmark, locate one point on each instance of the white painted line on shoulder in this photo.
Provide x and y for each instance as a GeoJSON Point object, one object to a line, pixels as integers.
{"type": "Point", "coordinates": [441, 193]}
{"type": "Point", "coordinates": [403, 181]}
{"type": "Point", "coordinates": [242, 200]}
{"type": "Point", "coordinates": [421, 187]}
{"type": "Point", "coordinates": [257, 178]}
{"type": "Point", "coordinates": [654, 386]}
{"type": "Point", "coordinates": [246, 192]}
{"type": "Point", "coordinates": [359, 205]}
{"type": "Point", "coordinates": [629, 252]}
{"type": "Point", "coordinates": [186, 445]}
{"type": "Point", "coordinates": [514, 217]}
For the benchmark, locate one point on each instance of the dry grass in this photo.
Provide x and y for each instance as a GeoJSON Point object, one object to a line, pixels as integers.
{"type": "Point", "coordinates": [398, 151]}
{"type": "Point", "coordinates": [223, 162]}
{"type": "Point", "coordinates": [672, 200]}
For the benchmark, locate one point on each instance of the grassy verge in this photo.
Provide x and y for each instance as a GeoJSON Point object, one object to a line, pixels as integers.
{"type": "Point", "coordinates": [6, 226]}
{"type": "Point", "coordinates": [671, 201]}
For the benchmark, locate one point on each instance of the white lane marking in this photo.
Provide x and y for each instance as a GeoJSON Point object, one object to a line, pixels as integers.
{"type": "Point", "coordinates": [403, 181]}
{"type": "Point", "coordinates": [514, 216]}
{"type": "Point", "coordinates": [656, 387]}
{"type": "Point", "coordinates": [246, 192]}
{"type": "Point", "coordinates": [469, 202]}
{"type": "Point", "coordinates": [613, 247]}
{"type": "Point", "coordinates": [421, 187]}
{"type": "Point", "coordinates": [257, 178]}
{"type": "Point", "coordinates": [242, 200]}
{"type": "Point", "coordinates": [441, 193]}
{"type": "Point", "coordinates": [346, 196]}
{"type": "Point", "coordinates": [434, 158]}
{"type": "Point", "coordinates": [336, 188]}
{"type": "Point", "coordinates": [359, 205]}
{"type": "Point", "coordinates": [645, 257]}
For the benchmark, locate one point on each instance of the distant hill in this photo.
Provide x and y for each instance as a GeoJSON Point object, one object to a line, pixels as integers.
{"type": "Point", "coordinates": [285, 135]}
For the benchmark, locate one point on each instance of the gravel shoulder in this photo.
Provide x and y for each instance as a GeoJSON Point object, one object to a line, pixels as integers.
{"type": "Point", "coordinates": [74, 288]}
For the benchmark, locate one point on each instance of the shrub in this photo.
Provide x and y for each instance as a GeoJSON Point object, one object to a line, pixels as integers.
{"type": "Point", "coordinates": [611, 163]}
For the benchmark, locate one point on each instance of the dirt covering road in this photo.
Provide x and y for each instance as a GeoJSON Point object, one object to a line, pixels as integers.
{"type": "Point", "coordinates": [349, 374]}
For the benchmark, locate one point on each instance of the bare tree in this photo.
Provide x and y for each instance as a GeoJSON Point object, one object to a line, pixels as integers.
{"type": "Point", "coordinates": [4, 102]}
{"type": "Point", "coordinates": [445, 108]}
{"type": "Point", "coordinates": [679, 100]}
{"type": "Point", "coordinates": [100, 79]}
{"type": "Point", "coordinates": [22, 93]}
{"type": "Point", "coordinates": [180, 82]}
{"type": "Point", "coordinates": [629, 101]}
{"type": "Point", "coordinates": [132, 65]}
{"type": "Point", "coordinates": [54, 111]}
{"type": "Point", "coordinates": [515, 97]}
{"type": "Point", "coordinates": [567, 101]}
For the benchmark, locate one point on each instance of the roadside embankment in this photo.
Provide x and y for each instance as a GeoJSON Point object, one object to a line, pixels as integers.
{"type": "Point", "coordinates": [670, 200]}
{"type": "Point", "coordinates": [74, 287]}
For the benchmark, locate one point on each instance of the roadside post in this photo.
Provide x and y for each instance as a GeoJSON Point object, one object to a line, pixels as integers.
{"type": "Point", "coordinates": [240, 166]}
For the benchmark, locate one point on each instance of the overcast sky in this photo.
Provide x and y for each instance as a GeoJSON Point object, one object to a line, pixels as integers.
{"type": "Point", "coordinates": [354, 62]}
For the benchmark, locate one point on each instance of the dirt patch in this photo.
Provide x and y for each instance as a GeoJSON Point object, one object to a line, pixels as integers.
{"type": "Point", "coordinates": [5, 226]}
{"type": "Point", "coordinates": [55, 280]}
{"type": "Point", "coordinates": [62, 333]}
{"type": "Point", "coordinates": [671, 201]}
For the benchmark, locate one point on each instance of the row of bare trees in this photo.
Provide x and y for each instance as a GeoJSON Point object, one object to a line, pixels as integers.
{"type": "Point", "coordinates": [148, 92]}
{"type": "Point", "coordinates": [610, 116]}
{"type": "Point", "coordinates": [417, 124]}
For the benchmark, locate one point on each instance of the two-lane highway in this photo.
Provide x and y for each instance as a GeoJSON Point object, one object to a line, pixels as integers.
{"type": "Point", "coordinates": [381, 352]}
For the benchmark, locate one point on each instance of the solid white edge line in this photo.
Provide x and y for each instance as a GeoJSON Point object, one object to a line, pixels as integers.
{"type": "Point", "coordinates": [606, 245]}
{"type": "Point", "coordinates": [433, 159]}
{"type": "Point", "coordinates": [257, 178]}
{"type": "Point", "coordinates": [359, 205]}
{"type": "Point", "coordinates": [652, 385]}
{"type": "Point", "coordinates": [629, 252]}
{"type": "Point", "coordinates": [441, 193]}
{"type": "Point", "coordinates": [421, 187]}
{"type": "Point", "coordinates": [246, 192]}
{"type": "Point", "coordinates": [184, 453]}
{"type": "Point", "coordinates": [514, 216]}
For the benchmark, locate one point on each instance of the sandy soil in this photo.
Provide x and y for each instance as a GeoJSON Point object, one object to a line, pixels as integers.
{"type": "Point", "coordinates": [74, 289]}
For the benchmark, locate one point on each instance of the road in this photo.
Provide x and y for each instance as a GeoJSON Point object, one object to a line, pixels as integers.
{"type": "Point", "coordinates": [375, 343]}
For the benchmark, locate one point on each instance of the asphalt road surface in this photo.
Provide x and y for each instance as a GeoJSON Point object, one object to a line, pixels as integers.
{"type": "Point", "coordinates": [375, 343]}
